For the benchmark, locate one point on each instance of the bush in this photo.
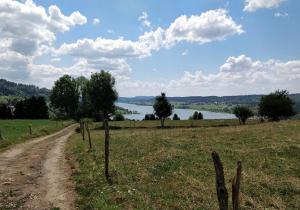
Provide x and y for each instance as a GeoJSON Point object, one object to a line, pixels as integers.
{"type": "Point", "coordinates": [242, 113]}
{"type": "Point", "coordinates": [175, 117]}
{"type": "Point", "coordinates": [276, 106]}
{"type": "Point", "coordinates": [5, 112]}
{"type": "Point", "coordinates": [31, 108]}
{"type": "Point", "coordinates": [197, 116]}
{"type": "Point", "coordinates": [119, 117]}
{"type": "Point", "coordinates": [149, 117]}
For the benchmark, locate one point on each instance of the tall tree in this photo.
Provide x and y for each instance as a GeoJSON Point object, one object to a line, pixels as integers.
{"type": "Point", "coordinates": [34, 107]}
{"type": "Point", "coordinates": [276, 106]}
{"type": "Point", "coordinates": [5, 112]}
{"type": "Point", "coordinates": [102, 94]}
{"type": "Point", "coordinates": [162, 108]}
{"type": "Point", "coordinates": [65, 95]}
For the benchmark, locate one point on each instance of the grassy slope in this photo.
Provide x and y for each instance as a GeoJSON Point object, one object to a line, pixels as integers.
{"type": "Point", "coordinates": [172, 168]}
{"type": "Point", "coordinates": [175, 123]}
{"type": "Point", "coordinates": [16, 131]}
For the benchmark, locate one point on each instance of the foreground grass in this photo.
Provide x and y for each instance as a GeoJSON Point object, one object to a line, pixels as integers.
{"type": "Point", "coordinates": [16, 131]}
{"type": "Point", "coordinates": [172, 168]}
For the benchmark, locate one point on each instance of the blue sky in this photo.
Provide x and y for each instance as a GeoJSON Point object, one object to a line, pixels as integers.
{"type": "Point", "coordinates": [204, 47]}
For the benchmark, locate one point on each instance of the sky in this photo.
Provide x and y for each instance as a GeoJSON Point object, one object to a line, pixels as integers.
{"type": "Point", "coordinates": [183, 48]}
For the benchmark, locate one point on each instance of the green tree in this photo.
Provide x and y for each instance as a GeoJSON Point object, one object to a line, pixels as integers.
{"type": "Point", "coordinates": [102, 95]}
{"type": "Point", "coordinates": [195, 115]}
{"type": "Point", "coordinates": [85, 109]}
{"type": "Point", "coordinates": [162, 108]}
{"type": "Point", "coordinates": [200, 116]}
{"type": "Point", "coordinates": [175, 117]}
{"type": "Point", "coordinates": [276, 106]}
{"type": "Point", "coordinates": [242, 113]}
{"type": "Point", "coordinates": [118, 117]}
{"type": "Point", "coordinates": [5, 112]}
{"type": "Point", "coordinates": [65, 95]}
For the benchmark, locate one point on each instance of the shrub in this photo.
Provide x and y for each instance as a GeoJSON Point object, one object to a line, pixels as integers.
{"type": "Point", "coordinates": [175, 117]}
{"type": "Point", "coordinates": [242, 113]}
{"type": "Point", "coordinates": [119, 117]}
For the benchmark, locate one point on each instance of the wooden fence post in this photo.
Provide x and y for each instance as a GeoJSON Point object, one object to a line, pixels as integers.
{"type": "Point", "coordinates": [236, 186]}
{"type": "Point", "coordinates": [83, 132]}
{"type": "Point", "coordinates": [220, 182]}
{"type": "Point", "coordinates": [88, 132]}
{"type": "Point", "coordinates": [30, 130]}
{"type": "Point", "coordinates": [1, 137]}
{"type": "Point", "coordinates": [106, 150]}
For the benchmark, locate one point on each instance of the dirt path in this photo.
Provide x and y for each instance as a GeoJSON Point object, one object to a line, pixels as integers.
{"type": "Point", "coordinates": [35, 175]}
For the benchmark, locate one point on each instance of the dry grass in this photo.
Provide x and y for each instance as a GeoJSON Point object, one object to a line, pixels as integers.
{"type": "Point", "coordinates": [172, 168]}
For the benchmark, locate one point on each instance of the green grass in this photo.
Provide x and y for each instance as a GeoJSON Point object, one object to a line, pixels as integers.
{"type": "Point", "coordinates": [172, 168]}
{"type": "Point", "coordinates": [17, 131]}
{"type": "Point", "coordinates": [175, 123]}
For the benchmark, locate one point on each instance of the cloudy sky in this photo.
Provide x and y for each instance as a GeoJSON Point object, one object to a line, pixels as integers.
{"type": "Point", "coordinates": [190, 47]}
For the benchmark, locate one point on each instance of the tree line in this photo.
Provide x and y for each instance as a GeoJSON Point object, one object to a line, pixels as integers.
{"type": "Point", "coordinates": [34, 107]}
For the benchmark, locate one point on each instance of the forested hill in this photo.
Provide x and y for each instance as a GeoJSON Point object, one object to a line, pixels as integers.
{"type": "Point", "coordinates": [211, 103]}
{"type": "Point", "coordinates": [243, 99]}
{"type": "Point", "coordinates": [8, 88]}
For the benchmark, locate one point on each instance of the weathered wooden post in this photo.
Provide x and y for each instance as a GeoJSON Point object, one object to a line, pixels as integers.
{"type": "Point", "coordinates": [236, 186]}
{"type": "Point", "coordinates": [83, 132]}
{"type": "Point", "coordinates": [88, 132]}
{"type": "Point", "coordinates": [1, 137]}
{"type": "Point", "coordinates": [221, 186]}
{"type": "Point", "coordinates": [220, 182]}
{"type": "Point", "coordinates": [106, 150]}
{"type": "Point", "coordinates": [30, 130]}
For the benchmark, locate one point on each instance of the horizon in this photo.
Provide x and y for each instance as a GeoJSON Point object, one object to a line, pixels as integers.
{"type": "Point", "coordinates": [207, 48]}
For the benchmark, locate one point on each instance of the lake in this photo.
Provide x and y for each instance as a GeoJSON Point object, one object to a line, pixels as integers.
{"type": "Point", "coordinates": [184, 114]}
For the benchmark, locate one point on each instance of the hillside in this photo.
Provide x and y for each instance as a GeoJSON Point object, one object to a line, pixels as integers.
{"type": "Point", "coordinates": [211, 103]}
{"type": "Point", "coordinates": [10, 90]}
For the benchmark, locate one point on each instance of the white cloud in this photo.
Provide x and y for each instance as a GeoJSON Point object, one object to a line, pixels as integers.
{"type": "Point", "coordinates": [96, 21]}
{"type": "Point", "coordinates": [238, 75]}
{"type": "Point", "coordinates": [100, 47]}
{"type": "Point", "coordinates": [144, 20]}
{"type": "Point", "coordinates": [14, 65]}
{"type": "Point", "coordinates": [213, 25]}
{"type": "Point", "coordinates": [26, 26]}
{"type": "Point", "coordinates": [281, 14]}
{"type": "Point", "coordinates": [185, 53]}
{"type": "Point", "coordinates": [114, 48]}
{"type": "Point", "coordinates": [253, 5]}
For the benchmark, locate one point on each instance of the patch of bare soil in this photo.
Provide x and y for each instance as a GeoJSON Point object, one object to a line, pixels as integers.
{"type": "Point", "coordinates": [35, 175]}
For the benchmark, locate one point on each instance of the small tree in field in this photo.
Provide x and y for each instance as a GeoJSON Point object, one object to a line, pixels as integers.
{"type": "Point", "coordinates": [200, 116]}
{"type": "Point", "coordinates": [242, 113]}
{"type": "Point", "coordinates": [276, 105]}
{"type": "Point", "coordinates": [65, 95]}
{"type": "Point", "coordinates": [118, 117]}
{"type": "Point", "coordinates": [102, 95]}
{"type": "Point", "coordinates": [175, 117]}
{"type": "Point", "coordinates": [162, 108]}
{"type": "Point", "coordinates": [195, 115]}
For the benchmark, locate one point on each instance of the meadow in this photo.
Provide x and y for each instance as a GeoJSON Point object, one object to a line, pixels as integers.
{"type": "Point", "coordinates": [175, 123]}
{"type": "Point", "coordinates": [155, 168]}
{"type": "Point", "coordinates": [17, 131]}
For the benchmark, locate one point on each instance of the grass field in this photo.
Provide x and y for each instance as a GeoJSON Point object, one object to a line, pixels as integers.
{"type": "Point", "coordinates": [176, 123]}
{"type": "Point", "coordinates": [16, 131]}
{"type": "Point", "coordinates": [172, 168]}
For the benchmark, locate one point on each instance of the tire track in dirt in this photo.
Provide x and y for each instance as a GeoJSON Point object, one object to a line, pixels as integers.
{"type": "Point", "coordinates": [35, 175]}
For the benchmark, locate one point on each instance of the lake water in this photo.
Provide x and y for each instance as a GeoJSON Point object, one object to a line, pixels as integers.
{"type": "Point", "coordinates": [184, 114]}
